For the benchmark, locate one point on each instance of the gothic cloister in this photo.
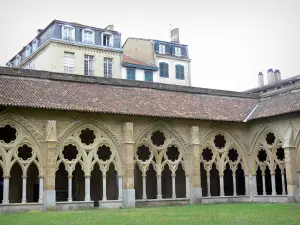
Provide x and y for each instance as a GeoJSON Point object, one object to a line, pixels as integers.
{"type": "Point", "coordinates": [92, 164]}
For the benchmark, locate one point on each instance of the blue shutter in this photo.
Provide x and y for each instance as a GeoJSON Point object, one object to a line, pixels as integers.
{"type": "Point", "coordinates": [183, 51]}
{"type": "Point", "coordinates": [164, 69]}
{"type": "Point", "coordinates": [156, 47]}
{"type": "Point", "coordinates": [148, 75]}
{"type": "Point", "coordinates": [130, 74]}
{"type": "Point", "coordinates": [168, 49]}
{"type": "Point", "coordinates": [173, 50]}
{"type": "Point", "coordinates": [179, 69]}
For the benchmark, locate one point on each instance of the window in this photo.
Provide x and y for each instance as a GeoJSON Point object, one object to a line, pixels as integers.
{"type": "Point", "coordinates": [68, 33]}
{"type": "Point", "coordinates": [107, 40]}
{"type": "Point", "coordinates": [69, 62]}
{"type": "Point", "coordinates": [108, 67]}
{"type": "Point", "coordinates": [163, 69]}
{"type": "Point", "coordinates": [28, 50]}
{"type": "Point", "coordinates": [88, 65]}
{"type": "Point", "coordinates": [34, 45]}
{"type": "Point", "coordinates": [162, 49]}
{"type": "Point", "coordinates": [177, 51]}
{"type": "Point", "coordinates": [130, 74]}
{"type": "Point", "coordinates": [179, 72]}
{"type": "Point", "coordinates": [148, 76]}
{"type": "Point", "coordinates": [88, 36]}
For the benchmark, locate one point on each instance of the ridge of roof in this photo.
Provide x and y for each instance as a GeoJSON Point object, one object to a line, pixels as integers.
{"type": "Point", "coordinates": [39, 74]}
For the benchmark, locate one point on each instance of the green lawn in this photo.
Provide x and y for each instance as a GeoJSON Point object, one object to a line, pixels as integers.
{"type": "Point", "coordinates": [253, 214]}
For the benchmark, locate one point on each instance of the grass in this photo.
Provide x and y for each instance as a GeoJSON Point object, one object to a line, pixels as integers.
{"type": "Point", "coordinates": [253, 214]}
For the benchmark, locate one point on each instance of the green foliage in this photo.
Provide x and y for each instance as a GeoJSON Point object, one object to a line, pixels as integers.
{"type": "Point", "coordinates": [253, 214]}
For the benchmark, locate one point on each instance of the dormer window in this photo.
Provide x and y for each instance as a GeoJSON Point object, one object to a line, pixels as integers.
{"type": "Point", "coordinates": [107, 39]}
{"type": "Point", "coordinates": [177, 51]}
{"type": "Point", "coordinates": [88, 36]}
{"type": "Point", "coordinates": [162, 49]}
{"type": "Point", "coordinates": [28, 50]}
{"type": "Point", "coordinates": [68, 33]}
{"type": "Point", "coordinates": [18, 60]}
{"type": "Point", "coordinates": [34, 45]}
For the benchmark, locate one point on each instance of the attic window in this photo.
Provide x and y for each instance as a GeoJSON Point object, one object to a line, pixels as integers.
{"type": "Point", "coordinates": [162, 49]}
{"type": "Point", "coordinates": [107, 40]}
{"type": "Point", "coordinates": [68, 33]}
{"type": "Point", "coordinates": [88, 36]}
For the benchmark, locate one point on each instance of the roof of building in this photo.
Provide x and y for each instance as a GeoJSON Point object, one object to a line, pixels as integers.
{"type": "Point", "coordinates": [48, 90]}
{"type": "Point", "coordinates": [131, 60]}
{"type": "Point", "coordinates": [42, 31]}
{"type": "Point", "coordinates": [137, 63]}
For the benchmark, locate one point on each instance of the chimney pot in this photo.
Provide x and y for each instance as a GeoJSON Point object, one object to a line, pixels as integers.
{"type": "Point", "coordinates": [271, 78]}
{"type": "Point", "coordinates": [260, 79]}
{"type": "Point", "coordinates": [175, 35]}
{"type": "Point", "coordinates": [277, 75]}
{"type": "Point", "coordinates": [39, 31]}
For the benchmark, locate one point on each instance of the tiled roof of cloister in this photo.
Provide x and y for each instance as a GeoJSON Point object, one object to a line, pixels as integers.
{"type": "Point", "coordinates": [47, 90]}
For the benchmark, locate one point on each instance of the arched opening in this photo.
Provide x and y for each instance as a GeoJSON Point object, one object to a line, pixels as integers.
{"type": "Point", "coordinates": [151, 183]}
{"type": "Point", "coordinates": [96, 185]}
{"type": "Point", "coordinates": [214, 181]}
{"type": "Point", "coordinates": [138, 182]}
{"type": "Point", "coordinates": [112, 181]}
{"type": "Point", "coordinates": [268, 181]}
{"type": "Point", "coordinates": [166, 182]}
{"type": "Point", "coordinates": [15, 184]}
{"type": "Point", "coordinates": [240, 181]}
{"type": "Point", "coordinates": [203, 177]}
{"type": "Point", "coordinates": [278, 180]}
{"type": "Point", "coordinates": [78, 183]}
{"type": "Point", "coordinates": [1, 184]}
{"type": "Point", "coordinates": [180, 186]}
{"type": "Point", "coordinates": [259, 181]}
{"type": "Point", "coordinates": [228, 181]}
{"type": "Point", "coordinates": [32, 190]}
{"type": "Point", "coordinates": [61, 183]}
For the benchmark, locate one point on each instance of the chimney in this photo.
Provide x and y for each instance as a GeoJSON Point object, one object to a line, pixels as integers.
{"type": "Point", "coordinates": [110, 27]}
{"type": "Point", "coordinates": [260, 79]}
{"type": "Point", "coordinates": [39, 31]}
{"type": "Point", "coordinates": [271, 77]}
{"type": "Point", "coordinates": [175, 35]}
{"type": "Point", "coordinates": [277, 75]}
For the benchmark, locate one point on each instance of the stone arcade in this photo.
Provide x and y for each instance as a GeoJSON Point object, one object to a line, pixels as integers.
{"type": "Point", "coordinates": [74, 142]}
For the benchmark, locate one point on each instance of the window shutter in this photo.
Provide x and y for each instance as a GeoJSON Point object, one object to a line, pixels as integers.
{"type": "Point", "coordinates": [173, 50]}
{"type": "Point", "coordinates": [168, 49]}
{"type": "Point", "coordinates": [183, 51]}
{"type": "Point", "coordinates": [156, 47]}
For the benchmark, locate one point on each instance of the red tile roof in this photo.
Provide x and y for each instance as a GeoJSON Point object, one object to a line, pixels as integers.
{"type": "Point", "coordinates": [78, 93]}
{"type": "Point", "coordinates": [130, 60]}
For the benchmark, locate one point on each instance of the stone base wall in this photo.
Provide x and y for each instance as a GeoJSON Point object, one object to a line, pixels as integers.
{"type": "Point", "coordinates": [272, 199]}
{"type": "Point", "coordinates": [225, 199]}
{"type": "Point", "coordinates": [161, 202]}
{"type": "Point", "coordinates": [20, 207]}
{"type": "Point", "coordinates": [111, 204]}
{"type": "Point", "coordinates": [63, 206]}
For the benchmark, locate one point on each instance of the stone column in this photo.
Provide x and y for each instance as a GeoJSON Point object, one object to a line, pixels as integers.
{"type": "Point", "coordinates": [41, 189]}
{"type": "Point", "coordinates": [195, 179]}
{"type": "Point", "coordinates": [283, 184]}
{"type": "Point", "coordinates": [247, 193]}
{"type": "Point", "coordinates": [254, 184]}
{"type": "Point", "coordinates": [290, 165]}
{"type": "Point", "coordinates": [50, 165]}
{"type": "Point", "coordinates": [187, 186]}
{"type": "Point", "coordinates": [173, 186]}
{"type": "Point", "coordinates": [159, 195]}
{"type": "Point", "coordinates": [144, 187]}
{"type": "Point", "coordinates": [24, 185]}
{"type": "Point", "coordinates": [221, 185]}
{"type": "Point", "coordinates": [70, 198]}
{"type": "Point", "coordinates": [208, 184]}
{"type": "Point", "coordinates": [273, 184]}
{"type": "Point", "coordinates": [120, 188]}
{"type": "Point", "coordinates": [264, 183]}
{"type": "Point", "coordinates": [234, 184]}
{"type": "Point", "coordinates": [87, 188]}
{"type": "Point", "coordinates": [5, 190]}
{"type": "Point", "coordinates": [104, 198]}
{"type": "Point", "coordinates": [128, 179]}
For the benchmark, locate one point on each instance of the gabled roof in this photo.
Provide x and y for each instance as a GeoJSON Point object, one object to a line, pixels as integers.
{"type": "Point", "coordinates": [132, 62]}
{"type": "Point", "coordinates": [46, 90]}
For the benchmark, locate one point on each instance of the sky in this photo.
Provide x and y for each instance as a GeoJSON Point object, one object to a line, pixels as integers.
{"type": "Point", "coordinates": [229, 41]}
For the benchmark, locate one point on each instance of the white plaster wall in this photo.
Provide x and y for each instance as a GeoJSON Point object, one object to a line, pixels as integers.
{"type": "Point", "coordinates": [172, 72]}
{"type": "Point", "coordinates": [139, 74]}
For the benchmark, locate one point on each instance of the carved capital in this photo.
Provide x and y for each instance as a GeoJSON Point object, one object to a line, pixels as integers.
{"type": "Point", "coordinates": [128, 132]}
{"type": "Point", "coordinates": [194, 133]}
{"type": "Point", "coordinates": [51, 131]}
